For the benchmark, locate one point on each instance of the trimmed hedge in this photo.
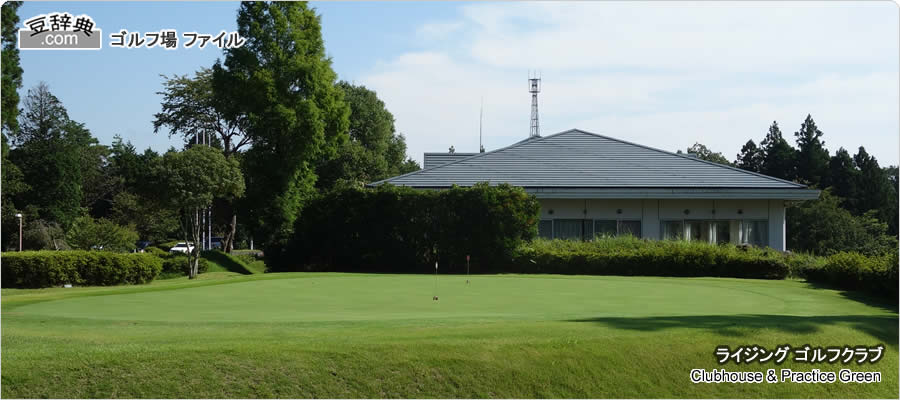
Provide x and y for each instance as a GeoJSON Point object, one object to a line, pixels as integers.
{"type": "Point", "coordinates": [37, 269]}
{"type": "Point", "coordinates": [853, 271]}
{"type": "Point", "coordinates": [399, 229]}
{"type": "Point", "coordinates": [630, 256]}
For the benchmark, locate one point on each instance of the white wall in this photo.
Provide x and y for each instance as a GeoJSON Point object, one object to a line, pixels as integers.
{"type": "Point", "coordinates": [652, 211]}
{"type": "Point", "coordinates": [777, 237]}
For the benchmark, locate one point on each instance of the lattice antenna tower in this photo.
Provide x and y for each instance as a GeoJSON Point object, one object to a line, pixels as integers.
{"type": "Point", "coordinates": [534, 87]}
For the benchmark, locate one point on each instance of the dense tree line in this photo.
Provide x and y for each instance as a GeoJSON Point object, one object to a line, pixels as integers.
{"type": "Point", "coordinates": [273, 112]}
{"type": "Point", "coordinates": [858, 208]}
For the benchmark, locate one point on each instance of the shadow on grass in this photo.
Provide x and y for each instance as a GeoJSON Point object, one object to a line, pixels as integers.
{"type": "Point", "coordinates": [229, 263]}
{"type": "Point", "coordinates": [859, 296]}
{"type": "Point", "coordinates": [882, 327]}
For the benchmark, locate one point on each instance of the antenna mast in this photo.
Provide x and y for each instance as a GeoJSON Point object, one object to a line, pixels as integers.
{"type": "Point", "coordinates": [480, 122]}
{"type": "Point", "coordinates": [534, 87]}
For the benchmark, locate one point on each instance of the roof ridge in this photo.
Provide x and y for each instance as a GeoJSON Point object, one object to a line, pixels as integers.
{"type": "Point", "coordinates": [799, 185]}
{"type": "Point", "coordinates": [479, 155]}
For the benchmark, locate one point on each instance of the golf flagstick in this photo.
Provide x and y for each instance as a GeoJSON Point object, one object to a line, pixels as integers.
{"type": "Point", "coordinates": [435, 280]}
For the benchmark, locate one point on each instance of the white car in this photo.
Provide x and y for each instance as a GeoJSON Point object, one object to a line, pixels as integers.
{"type": "Point", "coordinates": [182, 248]}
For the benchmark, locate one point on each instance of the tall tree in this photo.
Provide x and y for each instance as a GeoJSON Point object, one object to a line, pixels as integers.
{"type": "Point", "coordinates": [375, 151]}
{"type": "Point", "coordinates": [196, 107]}
{"type": "Point", "coordinates": [704, 153]}
{"type": "Point", "coordinates": [136, 198]}
{"type": "Point", "coordinates": [12, 186]}
{"type": "Point", "coordinates": [189, 188]}
{"type": "Point", "coordinates": [842, 177]}
{"type": "Point", "coordinates": [874, 188]}
{"type": "Point", "coordinates": [10, 69]}
{"type": "Point", "coordinates": [812, 157]}
{"type": "Point", "coordinates": [891, 212]}
{"type": "Point", "coordinates": [778, 155]}
{"type": "Point", "coordinates": [49, 149]}
{"type": "Point", "coordinates": [750, 158]}
{"type": "Point", "coordinates": [282, 81]}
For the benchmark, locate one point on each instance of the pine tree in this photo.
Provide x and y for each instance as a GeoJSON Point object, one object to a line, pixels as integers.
{"type": "Point", "coordinates": [812, 157]}
{"type": "Point", "coordinates": [50, 151]}
{"type": "Point", "coordinates": [750, 158]}
{"type": "Point", "coordinates": [778, 155]}
{"type": "Point", "coordinates": [873, 186]}
{"type": "Point", "coordinates": [842, 177]}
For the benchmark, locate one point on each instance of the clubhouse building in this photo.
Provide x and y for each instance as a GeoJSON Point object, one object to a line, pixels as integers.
{"type": "Point", "coordinates": [590, 185]}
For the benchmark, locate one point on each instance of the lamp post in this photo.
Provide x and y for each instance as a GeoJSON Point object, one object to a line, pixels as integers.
{"type": "Point", "coordinates": [19, 216]}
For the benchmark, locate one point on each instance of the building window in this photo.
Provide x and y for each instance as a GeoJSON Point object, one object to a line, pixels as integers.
{"type": "Point", "coordinates": [545, 228]}
{"type": "Point", "coordinates": [611, 227]}
{"type": "Point", "coordinates": [605, 228]}
{"type": "Point", "coordinates": [722, 231]}
{"type": "Point", "coordinates": [755, 232]}
{"type": "Point", "coordinates": [571, 229]}
{"type": "Point", "coordinates": [632, 228]}
{"type": "Point", "coordinates": [697, 231]}
{"type": "Point", "coordinates": [672, 230]}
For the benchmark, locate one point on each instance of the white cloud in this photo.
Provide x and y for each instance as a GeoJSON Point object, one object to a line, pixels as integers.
{"type": "Point", "coordinates": [661, 74]}
{"type": "Point", "coordinates": [438, 30]}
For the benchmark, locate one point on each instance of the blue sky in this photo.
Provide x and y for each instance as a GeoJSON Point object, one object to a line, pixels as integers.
{"type": "Point", "coordinates": [657, 73]}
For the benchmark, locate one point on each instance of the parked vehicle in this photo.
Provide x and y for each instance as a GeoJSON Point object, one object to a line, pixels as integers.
{"type": "Point", "coordinates": [217, 242]}
{"type": "Point", "coordinates": [182, 247]}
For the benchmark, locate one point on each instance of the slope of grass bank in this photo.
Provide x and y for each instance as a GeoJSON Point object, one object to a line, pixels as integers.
{"type": "Point", "coordinates": [354, 335]}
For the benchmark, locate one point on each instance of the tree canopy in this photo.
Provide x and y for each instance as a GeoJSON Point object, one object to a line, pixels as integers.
{"type": "Point", "coordinates": [10, 69]}
{"type": "Point", "coordinates": [704, 153]}
{"type": "Point", "coordinates": [375, 151]}
{"type": "Point", "coordinates": [282, 81]}
{"type": "Point", "coordinates": [193, 178]}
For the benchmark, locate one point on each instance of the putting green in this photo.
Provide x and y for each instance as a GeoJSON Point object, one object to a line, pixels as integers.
{"type": "Point", "coordinates": [393, 297]}
{"type": "Point", "coordinates": [329, 335]}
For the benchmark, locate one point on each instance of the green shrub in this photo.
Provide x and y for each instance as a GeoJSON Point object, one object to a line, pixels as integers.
{"type": "Point", "coordinates": [156, 251]}
{"type": "Point", "coordinates": [800, 263]}
{"type": "Point", "coordinates": [631, 256]}
{"type": "Point", "coordinates": [37, 269]}
{"type": "Point", "coordinates": [169, 244]}
{"type": "Point", "coordinates": [854, 271]}
{"type": "Point", "coordinates": [101, 234]}
{"type": "Point", "coordinates": [400, 229]}
{"type": "Point", "coordinates": [176, 264]}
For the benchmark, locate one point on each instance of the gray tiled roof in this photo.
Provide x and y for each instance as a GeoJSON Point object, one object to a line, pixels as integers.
{"type": "Point", "coordinates": [579, 159]}
{"type": "Point", "coordinates": [435, 159]}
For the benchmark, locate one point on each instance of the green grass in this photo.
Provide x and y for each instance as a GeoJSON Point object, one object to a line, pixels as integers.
{"type": "Point", "coordinates": [223, 262]}
{"type": "Point", "coordinates": [356, 335]}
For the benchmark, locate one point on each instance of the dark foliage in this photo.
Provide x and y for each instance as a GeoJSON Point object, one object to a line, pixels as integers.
{"type": "Point", "coordinates": [398, 229]}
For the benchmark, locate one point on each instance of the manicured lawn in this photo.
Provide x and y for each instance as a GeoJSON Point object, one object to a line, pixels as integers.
{"type": "Point", "coordinates": [355, 335]}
